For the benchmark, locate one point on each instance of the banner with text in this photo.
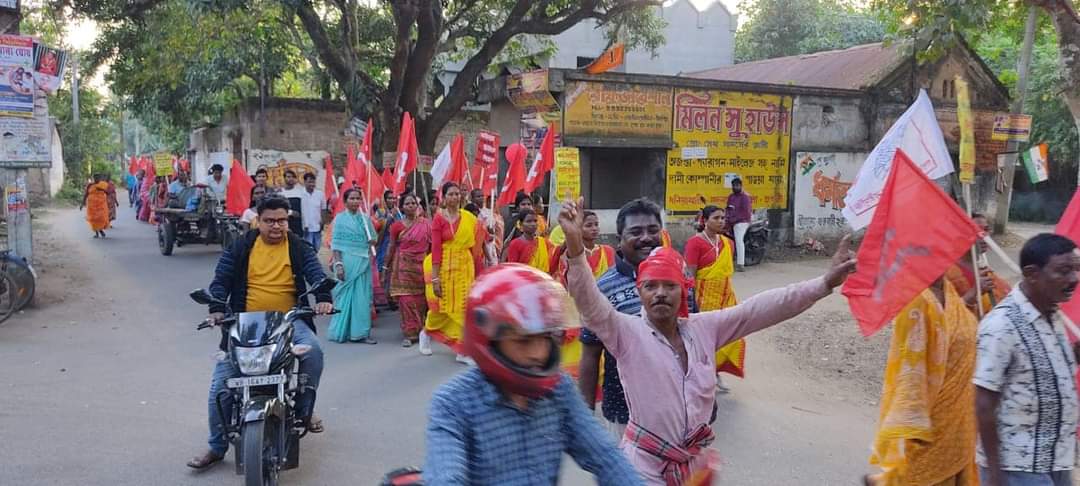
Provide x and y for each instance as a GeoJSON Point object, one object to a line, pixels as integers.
{"type": "Point", "coordinates": [618, 110]}
{"type": "Point", "coordinates": [277, 162]}
{"type": "Point", "coordinates": [163, 164]}
{"type": "Point", "coordinates": [16, 76]}
{"type": "Point", "coordinates": [567, 173]}
{"type": "Point", "coordinates": [720, 135]}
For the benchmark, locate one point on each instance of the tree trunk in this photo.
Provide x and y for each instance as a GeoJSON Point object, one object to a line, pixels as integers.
{"type": "Point", "coordinates": [1067, 24]}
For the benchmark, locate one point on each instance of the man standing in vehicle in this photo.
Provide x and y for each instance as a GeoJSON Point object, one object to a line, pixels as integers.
{"type": "Point", "coordinates": [266, 270]}
{"type": "Point", "coordinates": [218, 184]}
{"type": "Point", "coordinates": [740, 210]}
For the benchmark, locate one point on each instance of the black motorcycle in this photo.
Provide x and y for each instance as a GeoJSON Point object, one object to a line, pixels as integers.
{"type": "Point", "coordinates": [756, 240]}
{"type": "Point", "coordinates": [262, 424]}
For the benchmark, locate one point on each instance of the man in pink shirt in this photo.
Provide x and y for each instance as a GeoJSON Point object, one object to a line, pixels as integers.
{"type": "Point", "coordinates": [666, 358]}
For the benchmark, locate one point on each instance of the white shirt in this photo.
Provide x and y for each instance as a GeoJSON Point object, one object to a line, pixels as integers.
{"type": "Point", "coordinates": [249, 216]}
{"type": "Point", "coordinates": [312, 205]}
{"type": "Point", "coordinates": [218, 188]}
{"type": "Point", "coordinates": [1029, 361]}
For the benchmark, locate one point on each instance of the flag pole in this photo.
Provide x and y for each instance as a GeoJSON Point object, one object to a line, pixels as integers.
{"type": "Point", "coordinates": [974, 256]}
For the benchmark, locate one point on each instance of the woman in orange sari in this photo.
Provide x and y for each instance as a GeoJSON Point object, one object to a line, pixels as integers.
{"type": "Point", "coordinates": [709, 258]}
{"type": "Point", "coordinates": [529, 249]}
{"type": "Point", "coordinates": [457, 241]}
{"type": "Point", "coordinates": [96, 202]}
{"type": "Point", "coordinates": [927, 428]}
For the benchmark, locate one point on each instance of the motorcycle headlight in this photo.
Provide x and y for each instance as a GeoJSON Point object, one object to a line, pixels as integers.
{"type": "Point", "coordinates": [254, 361]}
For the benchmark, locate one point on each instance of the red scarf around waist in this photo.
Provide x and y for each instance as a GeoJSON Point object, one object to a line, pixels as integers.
{"type": "Point", "coordinates": [676, 459]}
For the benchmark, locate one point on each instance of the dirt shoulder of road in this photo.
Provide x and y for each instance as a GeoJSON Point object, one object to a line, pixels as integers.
{"type": "Point", "coordinates": [57, 260]}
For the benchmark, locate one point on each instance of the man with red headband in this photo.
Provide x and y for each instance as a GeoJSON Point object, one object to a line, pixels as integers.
{"type": "Point", "coordinates": [509, 420]}
{"type": "Point", "coordinates": [667, 358]}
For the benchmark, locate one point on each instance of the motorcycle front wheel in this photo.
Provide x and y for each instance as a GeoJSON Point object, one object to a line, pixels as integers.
{"type": "Point", "coordinates": [259, 452]}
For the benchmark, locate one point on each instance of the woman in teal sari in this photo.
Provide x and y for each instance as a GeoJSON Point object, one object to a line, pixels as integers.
{"type": "Point", "coordinates": [353, 238]}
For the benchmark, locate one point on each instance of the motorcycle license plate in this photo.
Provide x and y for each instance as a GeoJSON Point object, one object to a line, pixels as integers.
{"type": "Point", "coordinates": [255, 381]}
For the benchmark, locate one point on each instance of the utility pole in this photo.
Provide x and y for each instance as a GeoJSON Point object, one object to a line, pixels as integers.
{"type": "Point", "coordinates": [1004, 200]}
{"type": "Point", "coordinates": [13, 177]}
{"type": "Point", "coordinates": [75, 90]}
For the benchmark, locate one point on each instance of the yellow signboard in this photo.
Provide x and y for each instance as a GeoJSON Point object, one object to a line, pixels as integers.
{"type": "Point", "coordinates": [528, 91]}
{"type": "Point", "coordinates": [618, 110]}
{"type": "Point", "coordinates": [163, 164]}
{"type": "Point", "coordinates": [967, 132]}
{"type": "Point", "coordinates": [567, 173]}
{"type": "Point", "coordinates": [721, 135]}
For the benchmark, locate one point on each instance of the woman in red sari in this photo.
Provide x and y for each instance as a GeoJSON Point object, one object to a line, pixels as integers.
{"type": "Point", "coordinates": [530, 249]}
{"type": "Point", "coordinates": [410, 242]}
{"type": "Point", "coordinates": [600, 257]}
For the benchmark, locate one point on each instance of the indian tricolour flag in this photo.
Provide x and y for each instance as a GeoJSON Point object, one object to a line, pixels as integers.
{"type": "Point", "coordinates": [1035, 162]}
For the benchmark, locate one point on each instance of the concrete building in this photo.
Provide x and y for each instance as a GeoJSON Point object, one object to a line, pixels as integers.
{"type": "Point", "coordinates": [794, 129]}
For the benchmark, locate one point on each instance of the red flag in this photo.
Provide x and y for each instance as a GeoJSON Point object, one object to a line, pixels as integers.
{"type": "Point", "coordinates": [133, 165]}
{"type": "Point", "coordinates": [917, 232]}
{"type": "Point", "coordinates": [329, 187]}
{"type": "Point", "coordinates": [485, 169]}
{"type": "Point", "coordinates": [354, 172]}
{"type": "Point", "coordinates": [459, 167]}
{"type": "Point", "coordinates": [1069, 227]}
{"type": "Point", "coordinates": [374, 188]}
{"type": "Point", "coordinates": [407, 154]}
{"type": "Point", "coordinates": [238, 192]}
{"type": "Point", "coordinates": [515, 175]}
{"type": "Point", "coordinates": [544, 162]}
{"type": "Point", "coordinates": [149, 165]}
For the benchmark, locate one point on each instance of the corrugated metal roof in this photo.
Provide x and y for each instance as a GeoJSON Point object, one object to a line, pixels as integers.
{"type": "Point", "coordinates": [857, 67]}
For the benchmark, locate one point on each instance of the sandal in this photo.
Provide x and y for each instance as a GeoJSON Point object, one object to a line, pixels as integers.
{"type": "Point", "coordinates": [316, 426]}
{"type": "Point", "coordinates": [205, 461]}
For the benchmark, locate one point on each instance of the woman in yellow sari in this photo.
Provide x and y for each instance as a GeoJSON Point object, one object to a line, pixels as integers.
{"type": "Point", "coordinates": [600, 259]}
{"type": "Point", "coordinates": [96, 202]}
{"type": "Point", "coordinates": [529, 249]}
{"type": "Point", "coordinates": [457, 241]}
{"type": "Point", "coordinates": [709, 258]}
{"type": "Point", "coordinates": [927, 429]}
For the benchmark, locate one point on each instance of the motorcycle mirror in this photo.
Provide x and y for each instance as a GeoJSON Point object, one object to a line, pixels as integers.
{"type": "Point", "coordinates": [201, 296]}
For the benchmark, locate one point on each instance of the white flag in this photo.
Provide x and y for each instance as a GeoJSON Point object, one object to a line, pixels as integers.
{"type": "Point", "coordinates": [918, 134]}
{"type": "Point", "coordinates": [441, 166]}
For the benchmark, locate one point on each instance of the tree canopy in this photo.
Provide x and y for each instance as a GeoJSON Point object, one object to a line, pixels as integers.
{"type": "Point", "coordinates": [381, 56]}
{"type": "Point", "coordinates": [777, 28]}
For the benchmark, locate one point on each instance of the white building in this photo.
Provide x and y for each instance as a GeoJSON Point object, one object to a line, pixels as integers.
{"type": "Point", "coordinates": [700, 34]}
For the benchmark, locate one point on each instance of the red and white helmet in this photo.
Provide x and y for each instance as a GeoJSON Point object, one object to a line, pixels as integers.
{"type": "Point", "coordinates": [523, 299]}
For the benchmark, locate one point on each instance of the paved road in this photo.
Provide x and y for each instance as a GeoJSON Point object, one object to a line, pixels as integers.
{"type": "Point", "coordinates": [109, 385]}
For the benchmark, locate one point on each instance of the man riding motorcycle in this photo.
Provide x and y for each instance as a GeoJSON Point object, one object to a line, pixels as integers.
{"type": "Point", "coordinates": [265, 271]}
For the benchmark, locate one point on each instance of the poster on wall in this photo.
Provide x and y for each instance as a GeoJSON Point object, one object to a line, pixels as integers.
{"type": "Point", "coordinates": [277, 162]}
{"type": "Point", "coordinates": [528, 91]}
{"type": "Point", "coordinates": [720, 135]}
{"type": "Point", "coordinates": [49, 64]}
{"type": "Point", "coordinates": [618, 110]}
{"type": "Point", "coordinates": [822, 179]}
{"type": "Point", "coordinates": [567, 173]}
{"type": "Point", "coordinates": [25, 142]}
{"type": "Point", "coordinates": [16, 76]}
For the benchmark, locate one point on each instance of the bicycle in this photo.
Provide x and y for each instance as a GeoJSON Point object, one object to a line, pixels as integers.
{"type": "Point", "coordinates": [18, 282]}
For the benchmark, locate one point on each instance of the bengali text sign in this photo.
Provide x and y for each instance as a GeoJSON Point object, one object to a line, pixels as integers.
{"type": "Point", "coordinates": [614, 110]}
{"type": "Point", "coordinates": [720, 135]}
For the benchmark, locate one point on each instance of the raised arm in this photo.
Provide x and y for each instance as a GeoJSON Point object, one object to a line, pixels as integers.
{"type": "Point", "coordinates": [596, 311]}
{"type": "Point", "coordinates": [778, 305]}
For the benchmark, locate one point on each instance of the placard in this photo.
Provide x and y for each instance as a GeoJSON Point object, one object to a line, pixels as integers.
{"type": "Point", "coordinates": [528, 91]}
{"type": "Point", "coordinates": [163, 164]}
{"type": "Point", "coordinates": [277, 162]}
{"type": "Point", "coordinates": [742, 134]}
{"type": "Point", "coordinates": [567, 173]}
{"type": "Point", "coordinates": [618, 110]}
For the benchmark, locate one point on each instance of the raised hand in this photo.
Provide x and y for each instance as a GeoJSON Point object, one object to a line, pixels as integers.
{"type": "Point", "coordinates": [843, 264]}
{"type": "Point", "coordinates": [572, 221]}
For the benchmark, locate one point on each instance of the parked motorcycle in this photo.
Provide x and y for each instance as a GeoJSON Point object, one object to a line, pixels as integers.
{"type": "Point", "coordinates": [756, 240]}
{"type": "Point", "coordinates": [262, 424]}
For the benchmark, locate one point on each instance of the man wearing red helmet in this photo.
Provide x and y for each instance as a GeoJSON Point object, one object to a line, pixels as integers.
{"type": "Point", "coordinates": [666, 359]}
{"type": "Point", "coordinates": [509, 420]}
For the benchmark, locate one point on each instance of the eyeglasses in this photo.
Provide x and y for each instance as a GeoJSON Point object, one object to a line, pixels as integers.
{"type": "Point", "coordinates": [276, 222]}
